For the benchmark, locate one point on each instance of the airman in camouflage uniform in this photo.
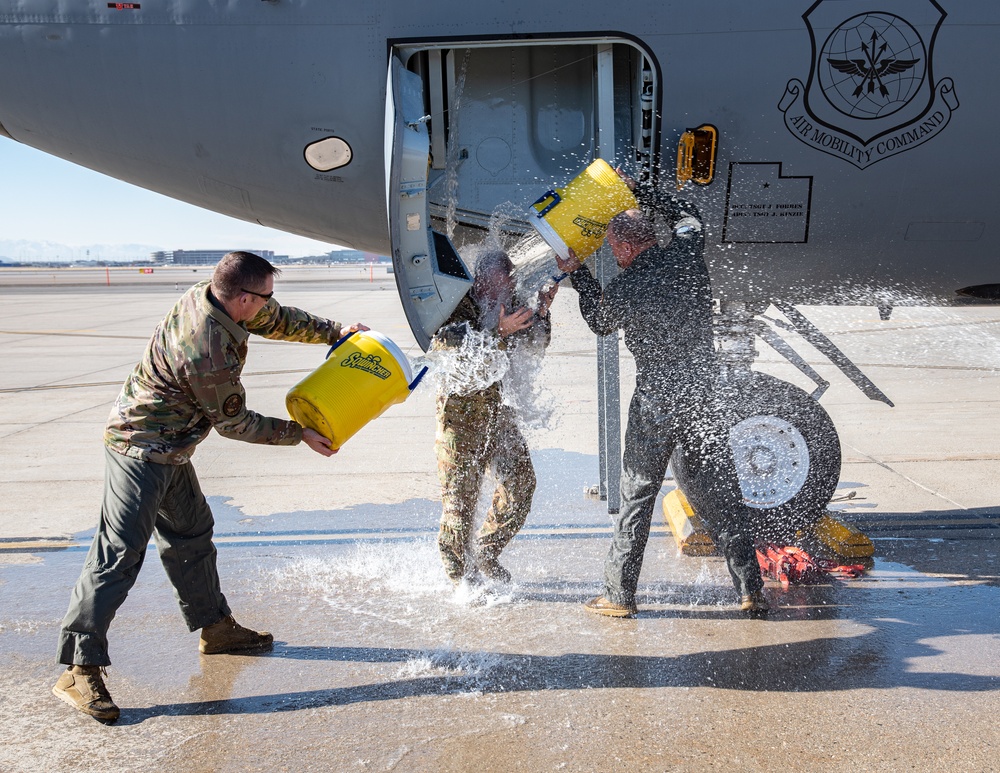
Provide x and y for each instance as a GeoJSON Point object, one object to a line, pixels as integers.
{"type": "Point", "coordinates": [186, 384]}
{"type": "Point", "coordinates": [188, 380]}
{"type": "Point", "coordinates": [477, 429]}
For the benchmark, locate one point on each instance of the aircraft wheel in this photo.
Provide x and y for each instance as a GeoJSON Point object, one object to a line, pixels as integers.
{"type": "Point", "coordinates": [787, 455]}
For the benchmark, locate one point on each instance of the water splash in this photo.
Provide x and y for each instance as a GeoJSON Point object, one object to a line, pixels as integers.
{"type": "Point", "coordinates": [396, 579]}
{"type": "Point", "coordinates": [478, 362]}
{"type": "Point", "coordinates": [534, 267]}
{"type": "Point", "coordinates": [474, 667]}
{"type": "Point", "coordinates": [523, 389]}
{"type": "Point", "coordinates": [453, 152]}
{"type": "Point", "coordinates": [398, 570]}
{"type": "Point", "coordinates": [938, 337]}
{"type": "Point", "coordinates": [475, 364]}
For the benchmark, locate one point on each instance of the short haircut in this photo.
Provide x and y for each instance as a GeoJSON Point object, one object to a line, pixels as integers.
{"type": "Point", "coordinates": [489, 264]}
{"type": "Point", "coordinates": [632, 227]}
{"type": "Point", "coordinates": [238, 271]}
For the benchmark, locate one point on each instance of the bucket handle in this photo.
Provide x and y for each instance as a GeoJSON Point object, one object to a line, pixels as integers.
{"type": "Point", "coordinates": [420, 375]}
{"type": "Point", "coordinates": [339, 342]}
{"type": "Point", "coordinates": [556, 198]}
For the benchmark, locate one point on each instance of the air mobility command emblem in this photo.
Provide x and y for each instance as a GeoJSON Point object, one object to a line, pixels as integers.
{"type": "Point", "coordinates": [871, 92]}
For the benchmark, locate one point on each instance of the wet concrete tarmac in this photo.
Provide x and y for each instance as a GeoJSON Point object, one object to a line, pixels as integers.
{"type": "Point", "coordinates": [378, 665]}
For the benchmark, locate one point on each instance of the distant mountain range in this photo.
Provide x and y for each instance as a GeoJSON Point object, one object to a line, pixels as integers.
{"type": "Point", "coordinates": [23, 251]}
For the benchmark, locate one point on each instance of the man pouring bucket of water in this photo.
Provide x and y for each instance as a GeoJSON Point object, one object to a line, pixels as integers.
{"type": "Point", "coordinates": [187, 383]}
{"type": "Point", "coordinates": [662, 300]}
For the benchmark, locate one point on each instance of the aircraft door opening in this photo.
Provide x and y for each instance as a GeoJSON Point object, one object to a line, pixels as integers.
{"type": "Point", "coordinates": [507, 122]}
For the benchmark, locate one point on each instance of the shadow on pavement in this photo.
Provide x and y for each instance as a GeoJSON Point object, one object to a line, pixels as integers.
{"type": "Point", "coordinates": [878, 659]}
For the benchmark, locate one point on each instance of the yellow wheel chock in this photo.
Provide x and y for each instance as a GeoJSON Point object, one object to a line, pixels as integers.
{"type": "Point", "coordinates": [694, 539]}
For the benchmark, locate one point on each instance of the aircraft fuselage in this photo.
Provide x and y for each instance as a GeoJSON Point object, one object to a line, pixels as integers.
{"type": "Point", "coordinates": [856, 149]}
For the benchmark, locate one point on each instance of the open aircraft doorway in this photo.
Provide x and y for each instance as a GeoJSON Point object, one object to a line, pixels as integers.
{"type": "Point", "coordinates": [477, 130]}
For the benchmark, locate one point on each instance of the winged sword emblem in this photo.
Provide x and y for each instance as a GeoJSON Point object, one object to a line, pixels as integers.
{"type": "Point", "coordinates": [873, 68]}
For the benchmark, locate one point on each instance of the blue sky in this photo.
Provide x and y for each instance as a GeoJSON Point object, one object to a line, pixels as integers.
{"type": "Point", "coordinates": [46, 199]}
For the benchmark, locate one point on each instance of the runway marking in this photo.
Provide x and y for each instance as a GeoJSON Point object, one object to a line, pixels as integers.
{"type": "Point", "coordinates": [54, 420]}
{"type": "Point", "coordinates": [908, 478]}
{"type": "Point", "coordinates": [69, 333]}
{"type": "Point", "coordinates": [873, 523]}
{"type": "Point", "coordinates": [915, 326]}
{"type": "Point", "coordinates": [46, 387]}
{"type": "Point", "coordinates": [922, 459]}
{"type": "Point", "coordinates": [263, 539]}
{"type": "Point", "coordinates": [625, 356]}
{"type": "Point", "coordinates": [90, 384]}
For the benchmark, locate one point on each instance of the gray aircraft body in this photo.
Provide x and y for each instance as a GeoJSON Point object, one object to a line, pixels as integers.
{"type": "Point", "coordinates": [840, 151]}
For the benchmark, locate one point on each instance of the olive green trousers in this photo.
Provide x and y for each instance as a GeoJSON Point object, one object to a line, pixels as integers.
{"type": "Point", "coordinates": [143, 500]}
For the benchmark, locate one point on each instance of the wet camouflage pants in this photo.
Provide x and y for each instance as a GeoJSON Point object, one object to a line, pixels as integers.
{"type": "Point", "coordinates": [471, 436]}
{"type": "Point", "coordinates": [143, 499]}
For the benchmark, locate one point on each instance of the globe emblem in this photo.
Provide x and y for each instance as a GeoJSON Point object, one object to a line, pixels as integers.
{"type": "Point", "coordinates": [872, 65]}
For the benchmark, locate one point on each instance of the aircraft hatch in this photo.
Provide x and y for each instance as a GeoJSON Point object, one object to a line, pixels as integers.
{"type": "Point", "coordinates": [478, 130]}
{"type": "Point", "coordinates": [430, 275]}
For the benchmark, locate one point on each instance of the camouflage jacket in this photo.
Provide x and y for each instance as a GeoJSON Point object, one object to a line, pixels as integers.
{"type": "Point", "coordinates": [468, 316]}
{"type": "Point", "coordinates": [188, 380]}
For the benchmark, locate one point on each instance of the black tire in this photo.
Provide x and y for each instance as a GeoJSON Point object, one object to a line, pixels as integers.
{"type": "Point", "coordinates": [786, 486]}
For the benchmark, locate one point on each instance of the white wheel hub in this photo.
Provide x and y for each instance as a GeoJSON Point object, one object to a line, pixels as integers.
{"type": "Point", "coordinates": [772, 460]}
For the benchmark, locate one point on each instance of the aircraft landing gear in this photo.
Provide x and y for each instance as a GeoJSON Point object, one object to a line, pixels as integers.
{"type": "Point", "coordinates": [785, 446]}
{"type": "Point", "coordinates": [787, 455]}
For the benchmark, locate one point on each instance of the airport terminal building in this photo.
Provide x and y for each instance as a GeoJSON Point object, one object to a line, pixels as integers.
{"type": "Point", "coordinates": [202, 257]}
{"type": "Point", "coordinates": [212, 257]}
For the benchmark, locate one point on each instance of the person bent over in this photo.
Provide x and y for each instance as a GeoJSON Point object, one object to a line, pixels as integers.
{"type": "Point", "coordinates": [186, 384]}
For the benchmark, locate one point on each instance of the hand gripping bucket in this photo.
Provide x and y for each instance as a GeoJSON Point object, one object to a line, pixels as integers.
{"type": "Point", "coordinates": [576, 217]}
{"type": "Point", "coordinates": [364, 373]}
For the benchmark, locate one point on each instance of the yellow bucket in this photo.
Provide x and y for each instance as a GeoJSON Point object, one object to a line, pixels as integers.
{"type": "Point", "coordinates": [576, 217]}
{"type": "Point", "coordinates": [363, 375]}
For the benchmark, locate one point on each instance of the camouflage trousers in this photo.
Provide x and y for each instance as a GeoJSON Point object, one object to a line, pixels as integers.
{"type": "Point", "coordinates": [472, 436]}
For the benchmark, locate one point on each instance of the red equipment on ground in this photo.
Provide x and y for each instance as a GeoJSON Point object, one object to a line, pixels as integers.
{"type": "Point", "coordinates": [793, 566]}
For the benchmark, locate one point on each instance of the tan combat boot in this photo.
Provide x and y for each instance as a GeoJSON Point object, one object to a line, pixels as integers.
{"type": "Point", "coordinates": [755, 605]}
{"type": "Point", "coordinates": [82, 687]}
{"type": "Point", "coordinates": [601, 605]}
{"type": "Point", "coordinates": [229, 636]}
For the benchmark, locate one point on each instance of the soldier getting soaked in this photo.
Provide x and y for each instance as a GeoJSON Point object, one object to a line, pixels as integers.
{"type": "Point", "coordinates": [186, 384]}
{"type": "Point", "coordinates": [477, 429]}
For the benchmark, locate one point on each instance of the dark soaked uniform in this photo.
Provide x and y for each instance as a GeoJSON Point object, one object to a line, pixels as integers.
{"type": "Point", "coordinates": [663, 303]}
{"type": "Point", "coordinates": [474, 431]}
{"type": "Point", "coordinates": [186, 384]}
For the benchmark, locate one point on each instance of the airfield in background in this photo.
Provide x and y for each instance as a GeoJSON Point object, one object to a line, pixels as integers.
{"type": "Point", "coordinates": [379, 666]}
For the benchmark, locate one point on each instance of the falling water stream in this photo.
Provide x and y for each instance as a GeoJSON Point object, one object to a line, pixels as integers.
{"type": "Point", "coordinates": [453, 151]}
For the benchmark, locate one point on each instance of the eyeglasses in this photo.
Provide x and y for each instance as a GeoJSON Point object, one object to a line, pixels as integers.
{"type": "Point", "coordinates": [266, 297]}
